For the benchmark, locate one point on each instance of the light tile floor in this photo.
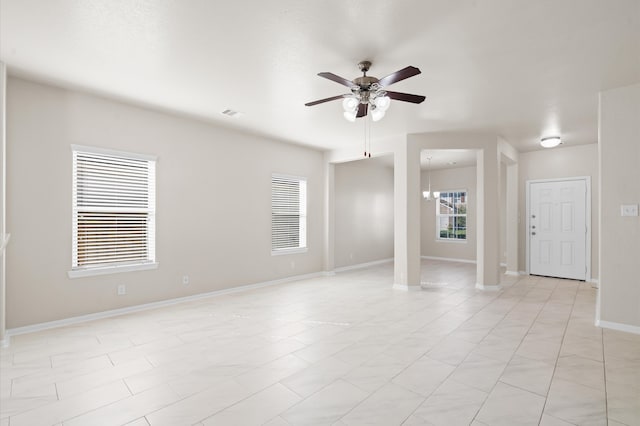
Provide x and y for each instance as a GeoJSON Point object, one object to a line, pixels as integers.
{"type": "Point", "coordinates": [342, 350]}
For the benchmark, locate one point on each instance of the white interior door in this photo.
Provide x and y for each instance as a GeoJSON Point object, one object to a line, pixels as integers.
{"type": "Point", "coordinates": [557, 225]}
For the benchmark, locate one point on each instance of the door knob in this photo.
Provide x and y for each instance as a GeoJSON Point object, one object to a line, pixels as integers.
{"type": "Point", "coordinates": [533, 233]}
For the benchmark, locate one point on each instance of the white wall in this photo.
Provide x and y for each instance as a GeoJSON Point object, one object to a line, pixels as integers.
{"type": "Point", "coordinates": [561, 162]}
{"type": "Point", "coordinates": [441, 180]}
{"type": "Point", "coordinates": [363, 212]}
{"type": "Point", "coordinates": [213, 203]}
{"type": "Point", "coordinates": [619, 147]}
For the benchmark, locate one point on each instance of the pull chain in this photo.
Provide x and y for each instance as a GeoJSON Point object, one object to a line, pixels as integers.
{"type": "Point", "coordinates": [365, 137]}
{"type": "Point", "coordinates": [369, 138]}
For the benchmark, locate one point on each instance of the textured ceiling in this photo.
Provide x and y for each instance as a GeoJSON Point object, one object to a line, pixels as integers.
{"type": "Point", "coordinates": [520, 69]}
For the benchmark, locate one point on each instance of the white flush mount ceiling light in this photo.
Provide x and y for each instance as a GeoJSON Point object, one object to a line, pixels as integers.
{"type": "Point", "coordinates": [550, 141]}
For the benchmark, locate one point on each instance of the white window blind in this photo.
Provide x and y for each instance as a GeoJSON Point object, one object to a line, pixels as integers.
{"type": "Point", "coordinates": [288, 213]}
{"type": "Point", "coordinates": [113, 208]}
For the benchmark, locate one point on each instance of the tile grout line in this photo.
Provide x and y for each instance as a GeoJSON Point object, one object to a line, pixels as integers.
{"type": "Point", "coordinates": [520, 344]}
{"type": "Point", "coordinates": [604, 372]}
{"type": "Point", "coordinates": [555, 366]}
{"type": "Point", "coordinates": [409, 365]}
{"type": "Point", "coordinates": [454, 370]}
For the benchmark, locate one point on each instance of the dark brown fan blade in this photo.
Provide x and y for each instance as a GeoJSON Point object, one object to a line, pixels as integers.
{"type": "Point", "coordinates": [331, 76]}
{"type": "Point", "coordinates": [398, 76]}
{"type": "Point", "coordinates": [406, 97]}
{"type": "Point", "coordinates": [362, 110]}
{"type": "Point", "coordinates": [320, 101]}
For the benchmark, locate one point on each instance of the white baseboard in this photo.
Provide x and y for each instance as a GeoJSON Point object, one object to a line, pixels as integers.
{"type": "Point", "coordinates": [618, 326]}
{"type": "Point", "coordinates": [405, 287]}
{"type": "Point", "coordinates": [328, 273]}
{"type": "Point", "coordinates": [488, 287]}
{"type": "Point", "coordinates": [448, 259]}
{"type": "Point", "coordinates": [146, 306]}
{"type": "Point", "coordinates": [363, 265]}
{"type": "Point", "coordinates": [512, 273]}
{"type": "Point", "coordinates": [503, 264]}
{"type": "Point", "coordinates": [523, 273]}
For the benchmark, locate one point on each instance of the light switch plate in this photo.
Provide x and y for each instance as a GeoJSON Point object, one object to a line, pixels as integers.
{"type": "Point", "coordinates": [629, 210]}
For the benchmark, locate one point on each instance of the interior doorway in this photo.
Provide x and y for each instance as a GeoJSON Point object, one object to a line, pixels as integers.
{"type": "Point", "coordinates": [558, 228]}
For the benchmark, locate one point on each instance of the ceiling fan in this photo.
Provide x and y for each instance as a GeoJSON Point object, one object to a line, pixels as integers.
{"type": "Point", "coordinates": [369, 93]}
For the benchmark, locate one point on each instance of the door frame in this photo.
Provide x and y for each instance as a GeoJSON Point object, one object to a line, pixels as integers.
{"type": "Point", "coordinates": [587, 181]}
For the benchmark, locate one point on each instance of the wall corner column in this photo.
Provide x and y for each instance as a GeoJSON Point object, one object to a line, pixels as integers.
{"type": "Point", "coordinates": [407, 217]}
{"type": "Point", "coordinates": [512, 219]}
{"type": "Point", "coordinates": [488, 219]}
{"type": "Point", "coordinates": [4, 237]}
{"type": "Point", "coordinates": [329, 217]}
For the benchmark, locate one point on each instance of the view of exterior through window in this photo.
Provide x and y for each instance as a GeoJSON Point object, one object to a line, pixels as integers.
{"type": "Point", "coordinates": [288, 214]}
{"type": "Point", "coordinates": [451, 215]}
{"type": "Point", "coordinates": [113, 209]}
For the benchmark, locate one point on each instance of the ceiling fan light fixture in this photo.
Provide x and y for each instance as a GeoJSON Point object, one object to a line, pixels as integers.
{"type": "Point", "coordinates": [377, 114]}
{"type": "Point", "coordinates": [350, 115]}
{"type": "Point", "coordinates": [382, 103]}
{"type": "Point", "coordinates": [350, 104]}
{"type": "Point", "coordinates": [550, 141]}
{"type": "Point", "coordinates": [369, 94]}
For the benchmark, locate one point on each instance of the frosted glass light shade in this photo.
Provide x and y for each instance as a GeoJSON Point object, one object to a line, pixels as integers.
{"type": "Point", "coordinates": [377, 114]}
{"type": "Point", "coordinates": [350, 104]}
{"type": "Point", "coordinates": [550, 142]}
{"type": "Point", "coordinates": [350, 115]}
{"type": "Point", "coordinates": [382, 103]}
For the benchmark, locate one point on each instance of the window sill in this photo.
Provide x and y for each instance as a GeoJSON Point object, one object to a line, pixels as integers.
{"type": "Point", "coordinates": [454, 241]}
{"type": "Point", "coordinates": [79, 273]}
{"type": "Point", "coordinates": [288, 251]}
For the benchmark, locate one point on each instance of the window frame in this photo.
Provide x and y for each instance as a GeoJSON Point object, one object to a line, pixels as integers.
{"type": "Point", "coordinates": [109, 268]}
{"type": "Point", "coordinates": [301, 213]}
{"type": "Point", "coordinates": [440, 215]}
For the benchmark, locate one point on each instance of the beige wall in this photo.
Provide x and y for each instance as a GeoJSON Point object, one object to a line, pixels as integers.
{"type": "Point", "coordinates": [561, 162]}
{"type": "Point", "coordinates": [363, 212]}
{"type": "Point", "coordinates": [503, 213]}
{"type": "Point", "coordinates": [213, 203]}
{"type": "Point", "coordinates": [447, 179]}
{"type": "Point", "coordinates": [620, 182]}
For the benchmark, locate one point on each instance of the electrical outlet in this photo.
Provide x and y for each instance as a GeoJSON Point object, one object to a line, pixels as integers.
{"type": "Point", "coordinates": [185, 279]}
{"type": "Point", "coordinates": [122, 290]}
{"type": "Point", "coordinates": [629, 210]}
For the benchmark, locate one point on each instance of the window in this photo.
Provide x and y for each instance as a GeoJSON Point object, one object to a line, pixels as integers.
{"type": "Point", "coordinates": [451, 215]}
{"type": "Point", "coordinates": [288, 214]}
{"type": "Point", "coordinates": [113, 211]}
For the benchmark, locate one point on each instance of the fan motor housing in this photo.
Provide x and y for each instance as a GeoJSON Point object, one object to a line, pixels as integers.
{"type": "Point", "coordinates": [365, 82]}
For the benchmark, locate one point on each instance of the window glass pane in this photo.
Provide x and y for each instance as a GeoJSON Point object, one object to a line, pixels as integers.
{"type": "Point", "coordinates": [451, 215]}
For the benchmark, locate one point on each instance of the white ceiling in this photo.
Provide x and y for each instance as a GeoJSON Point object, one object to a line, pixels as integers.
{"type": "Point", "coordinates": [521, 69]}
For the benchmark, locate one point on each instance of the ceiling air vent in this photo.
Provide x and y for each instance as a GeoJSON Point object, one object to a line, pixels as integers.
{"type": "Point", "coordinates": [231, 113]}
